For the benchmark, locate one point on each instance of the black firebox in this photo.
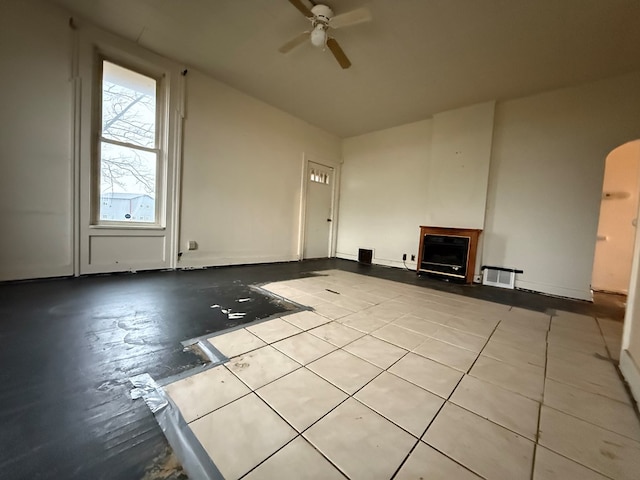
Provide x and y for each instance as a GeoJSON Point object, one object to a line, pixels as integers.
{"type": "Point", "coordinates": [445, 255]}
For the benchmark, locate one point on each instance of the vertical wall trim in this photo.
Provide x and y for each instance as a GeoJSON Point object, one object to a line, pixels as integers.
{"type": "Point", "coordinates": [174, 236]}
{"type": "Point", "coordinates": [303, 206]}
{"type": "Point", "coordinates": [337, 170]}
{"type": "Point", "coordinates": [76, 120]}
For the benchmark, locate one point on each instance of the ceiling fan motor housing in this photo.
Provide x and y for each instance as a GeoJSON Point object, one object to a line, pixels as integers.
{"type": "Point", "coordinates": [322, 14]}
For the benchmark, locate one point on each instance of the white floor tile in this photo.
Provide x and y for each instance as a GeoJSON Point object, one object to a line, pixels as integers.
{"type": "Point", "coordinates": [551, 466]}
{"type": "Point", "coordinates": [273, 330]}
{"type": "Point", "coordinates": [363, 322]}
{"type": "Point", "coordinates": [306, 320]}
{"type": "Point", "coordinates": [606, 452]}
{"type": "Point", "coordinates": [597, 409]}
{"type": "Point", "coordinates": [427, 463]}
{"type": "Point", "coordinates": [344, 370]}
{"type": "Point", "coordinates": [399, 336]}
{"type": "Point", "coordinates": [297, 460]}
{"type": "Point", "coordinates": [430, 375]}
{"type": "Point", "coordinates": [236, 343]}
{"type": "Point", "coordinates": [508, 409]}
{"type": "Point", "coordinates": [460, 339]}
{"type": "Point", "coordinates": [378, 352]}
{"type": "Point", "coordinates": [261, 366]}
{"type": "Point", "coordinates": [520, 340]}
{"type": "Point", "coordinates": [417, 324]}
{"type": "Point", "coordinates": [336, 334]}
{"type": "Point", "coordinates": [404, 403]}
{"type": "Point", "coordinates": [304, 347]}
{"type": "Point", "coordinates": [360, 442]}
{"type": "Point", "coordinates": [475, 327]}
{"type": "Point", "coordinates": [586, 372]}
{"type": "Point", "coordinates": [246, 425]}
{"type": "Point", "coordinates": [447, 354]}
{"type": "Point", "coordinates": [332, 311]}
{"type": "Point", "coordinates": [513, 355]}
{"type": "Point", "coordinates": [301, 397]}
{"type": "Point", "coordinates": [524, 380]}
{"type": "Point", "coordinates": [576, 321]}
{"type": "Point", "coordinates": [487, 449]}
{"type": "Point", "coordinates": [204, 392]}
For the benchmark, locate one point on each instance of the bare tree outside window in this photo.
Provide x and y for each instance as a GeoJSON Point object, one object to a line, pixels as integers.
{"type": "Point", "coordinates": [128, 146]}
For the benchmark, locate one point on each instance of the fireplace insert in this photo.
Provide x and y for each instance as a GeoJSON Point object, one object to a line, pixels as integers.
{"type": "Point", "coordinates": [445, 255]}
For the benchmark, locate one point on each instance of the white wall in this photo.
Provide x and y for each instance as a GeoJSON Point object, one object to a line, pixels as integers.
{"type": "Point", "coordinates": [242, 159]}
{"type": "Point", "coordinates": [433, 172]}
{"type": "Point", "coordinates": [618, 209]}
{"type": "Point", "coordinates": [383, 192]}
{"type": "Point", "coordinates": [35, 142]}
{"type": "Point", "coordinates": [546, 180]}
{"type": "Point", "coordinates": [459, 167]}
{"type": "Point", "coordinates": [242, 176]}
{"type": "Point", "coordinates": [243, 162]}
{"type": "Point", "coordinates": [545, 183]}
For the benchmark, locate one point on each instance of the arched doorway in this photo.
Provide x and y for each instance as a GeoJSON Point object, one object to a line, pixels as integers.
{"type": "Point", "coordinates": [617, 222]}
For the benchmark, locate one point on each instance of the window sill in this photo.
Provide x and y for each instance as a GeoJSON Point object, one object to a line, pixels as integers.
{"type": "Point", "coordinates": [120, 226]}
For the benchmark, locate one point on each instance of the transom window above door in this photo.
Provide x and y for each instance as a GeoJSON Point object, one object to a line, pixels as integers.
{"type": "Point", "coordinates": [319, 176]}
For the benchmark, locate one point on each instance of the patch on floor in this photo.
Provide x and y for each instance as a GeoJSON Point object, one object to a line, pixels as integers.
{"type": "Point", "coordinates": [165, 466]}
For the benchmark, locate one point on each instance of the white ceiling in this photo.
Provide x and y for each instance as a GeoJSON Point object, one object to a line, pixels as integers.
{"type": "Point", "coordinates": [416, 58]}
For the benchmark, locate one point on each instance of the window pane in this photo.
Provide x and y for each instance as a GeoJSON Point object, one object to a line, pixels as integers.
{"type": "Point", "coordinates": [127, 184]}
{"type": "Point", "coordinates": [128, 106]}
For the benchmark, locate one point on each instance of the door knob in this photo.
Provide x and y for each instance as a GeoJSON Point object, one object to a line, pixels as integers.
{"type": "Point", "coordinates": [328, 219]}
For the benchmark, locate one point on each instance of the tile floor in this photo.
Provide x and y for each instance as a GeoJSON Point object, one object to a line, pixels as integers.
{"type": "Point", "coordinates": [385, 380]}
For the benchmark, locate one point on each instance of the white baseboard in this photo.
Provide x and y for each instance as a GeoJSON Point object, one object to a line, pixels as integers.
{"type": "Point", "coordinates": [554, 290]}
{"type": "Point", "coordinates": [631, 373]}
{"type": "Point", "coordinates": [380, 261]}
{"type": "Point", "coordinates": [209, 261]}
{"type": "Point", "coordinates": [346, 256]}
{"type": "Point", "coordinates": [34, 272]}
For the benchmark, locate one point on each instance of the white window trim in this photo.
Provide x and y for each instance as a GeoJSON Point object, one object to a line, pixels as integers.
{"type": "Point", "coordinates": [162, 135]}
{"type": "Point", "coordinates": [88, 40]}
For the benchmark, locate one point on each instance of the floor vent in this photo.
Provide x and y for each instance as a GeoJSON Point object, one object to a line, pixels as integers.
{"type": "Point", "coordinates": [499, 277]}
{"type": "Point", "coordinates": [365, 256]}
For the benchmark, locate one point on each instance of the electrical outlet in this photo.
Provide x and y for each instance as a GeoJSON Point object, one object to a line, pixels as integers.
{"type": "Point", "coordinates": [413, 258]}
{"type": "Point", "coordinates": [404, 257]}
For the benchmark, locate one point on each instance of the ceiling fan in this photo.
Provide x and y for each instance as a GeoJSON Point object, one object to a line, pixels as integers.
{"type": "Point", "coordinates": [322, 19]}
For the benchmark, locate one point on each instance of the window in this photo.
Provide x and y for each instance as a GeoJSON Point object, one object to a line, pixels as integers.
{"type": "Point", "coordinates": [128, 146]}
{"type": "Point", "coordinates": [319, 176]}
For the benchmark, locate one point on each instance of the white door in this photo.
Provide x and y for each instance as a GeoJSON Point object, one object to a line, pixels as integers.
{"type": "Point", "coordinates": [319, 211]}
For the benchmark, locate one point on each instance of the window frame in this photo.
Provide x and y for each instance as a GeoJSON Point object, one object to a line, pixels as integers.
{"type": "Point", "coordinates": [160, 149]}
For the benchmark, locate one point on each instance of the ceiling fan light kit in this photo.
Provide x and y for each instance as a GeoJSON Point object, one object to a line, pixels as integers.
{"type": "Point", "coordinates": [319, 36]}
{"type": "Point", "coordinates": [322, 19]}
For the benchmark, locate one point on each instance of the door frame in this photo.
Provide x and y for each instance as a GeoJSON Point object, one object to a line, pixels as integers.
{"type": "Point", "coordinates": [636, 192]}
{"type": "Point", "coordinates": [335, 197]}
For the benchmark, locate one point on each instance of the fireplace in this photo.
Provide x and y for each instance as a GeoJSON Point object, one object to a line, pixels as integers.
{"type": "Point", "coordinates": [445, 254]}
{"type": "Point", "coordinates": [448, 252]}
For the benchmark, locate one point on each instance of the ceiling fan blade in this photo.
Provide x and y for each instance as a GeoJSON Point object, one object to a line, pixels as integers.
{"type": "Point", "coordinates": [338, 53]}
{"type": "Point", "coordinates": [294, 42]}
{"type": "Point", "coordinates": [359, 15]}
{"type": "Point", "coordinates": [301, 7]}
